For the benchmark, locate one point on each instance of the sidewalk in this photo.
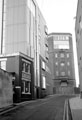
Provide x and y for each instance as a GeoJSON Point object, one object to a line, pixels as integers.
{"type": "Point", "coordinates": [76, 108]}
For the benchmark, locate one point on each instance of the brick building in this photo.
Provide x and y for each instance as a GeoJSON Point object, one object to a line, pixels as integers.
{"type": "Point", "coordinates": [62, 62]}
{"type": "Point", "coordinates": [22, 70]}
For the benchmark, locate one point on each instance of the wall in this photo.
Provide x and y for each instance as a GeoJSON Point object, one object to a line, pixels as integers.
{"type": "Point", "coordinates": [6, 90]}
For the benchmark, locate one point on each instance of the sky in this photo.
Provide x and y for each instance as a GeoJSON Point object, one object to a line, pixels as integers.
{"type": "Point", "coordinates": [59, 16]}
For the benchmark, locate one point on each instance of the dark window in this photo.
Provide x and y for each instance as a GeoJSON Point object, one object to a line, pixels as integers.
{"type": "Point", "coordinates": [78, 31]}
{"type": "Point", "coordinates": [23, 66]}
{"type": "Point", "coordinates": [27, 68]}
{"type": "Point", "coordinates": [79, 19]}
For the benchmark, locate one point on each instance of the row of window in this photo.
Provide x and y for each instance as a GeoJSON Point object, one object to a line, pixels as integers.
{"type": "Point", "coordinates": [62, 64]}
{"type": "Point", "coordinates": [61, 37]}
{"type": "Point", "coordinates": [62, 55]}
{"type": "Point", "coordinates": [63, 73]}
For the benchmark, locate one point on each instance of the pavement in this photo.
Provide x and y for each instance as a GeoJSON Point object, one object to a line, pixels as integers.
{"type": "Point", "coordinates": [76, 108]}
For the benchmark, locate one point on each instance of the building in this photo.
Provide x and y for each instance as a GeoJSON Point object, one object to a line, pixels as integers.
{"type": "Point", "coordinates": [24, 30]}
{"type": "Point", "coordinates": [21, 67]}
{"type": "Point", "coordinates": [62, 62]}
{"type": "Point", "coordinates": [78, 32]}
{"type": "Point", "coordinates": [1, 1]}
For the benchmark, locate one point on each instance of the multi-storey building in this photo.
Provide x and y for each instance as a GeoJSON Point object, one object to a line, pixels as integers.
{"type": "Point", "coordinates": [21, 67]}
{"type": "Point", "coordinates": [24, 30]}
{"type": "Point", "coordinates": [1, 1]}
{"type": "Point", "coordinates": [62, 63]}
{"type": "Point", "coordinates": [78, 32]}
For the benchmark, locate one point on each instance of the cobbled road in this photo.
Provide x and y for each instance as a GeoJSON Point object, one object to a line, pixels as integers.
{"type": "Point", "coordinates": [50, 108]}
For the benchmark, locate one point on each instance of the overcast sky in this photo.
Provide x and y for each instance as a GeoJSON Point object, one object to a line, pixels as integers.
{"type": "Point", "coordinates": [59, 16]}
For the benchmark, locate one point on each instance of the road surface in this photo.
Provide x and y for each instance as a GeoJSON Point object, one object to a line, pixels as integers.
{"type": "Point", "coordinates": [51, 108]}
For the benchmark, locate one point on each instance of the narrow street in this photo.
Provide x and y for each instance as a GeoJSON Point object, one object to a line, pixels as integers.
{"type": "Point", "coordinates": [51, 108]}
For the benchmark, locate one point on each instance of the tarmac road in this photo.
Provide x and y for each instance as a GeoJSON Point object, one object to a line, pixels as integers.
{"type": "Point", "coordinates": [51, 108]}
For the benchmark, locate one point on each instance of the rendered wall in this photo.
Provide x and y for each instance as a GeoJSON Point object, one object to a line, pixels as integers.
{"type": "Point", "coordinates": [6, 91]}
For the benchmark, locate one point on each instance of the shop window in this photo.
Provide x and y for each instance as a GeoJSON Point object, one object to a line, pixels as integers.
{"type": "Point", "coordinates": [25, 87]}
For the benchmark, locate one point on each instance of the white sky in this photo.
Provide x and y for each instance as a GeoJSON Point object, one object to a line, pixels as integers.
{"type": "Point", "coordinates": [59, 16]}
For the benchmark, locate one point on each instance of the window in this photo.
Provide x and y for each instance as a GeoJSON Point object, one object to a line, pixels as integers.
{"type": "Point", "coordinates": [46, 48]}
{"type": "Point", "coordinates": [69, 73]}
{"type": "Point", "coordinates": [67, 38]}
{"type": "Point", "coordinates": [67, 55]}
{"type": "Point", "coordinates": [68, 63]}
{"type": "Point", "coordinates": [56, 63]}
{"type": "Point", "coordinates": [3, 65]}
{"type": "Point", "coordinates": [43, 82]}
{"type": "Point", "coordinates": [57, 73]}
{"type": "Point", "coordinates": [43, 65]}
{"type": "Point", "coordinates": [56, 55]}
{"type": "Point", "coordinates": [23, 66]}
{"type": "Point", "coordinates": [62, 64]}
{"type": "Point", "coordinates": [61, 44]}
{"type": "Point", "coordinates": [79, 19]}
{"type": "Point", "coordinates": [25, 87]}
{"type": "Point", "coordinates": [27, 68]}
{"type": "Point", "coordinates": [62, 55]}
{"type": "Point", "coordinates": [78, 31]}
{"type": "Point", "coordinates": [62, 73]}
